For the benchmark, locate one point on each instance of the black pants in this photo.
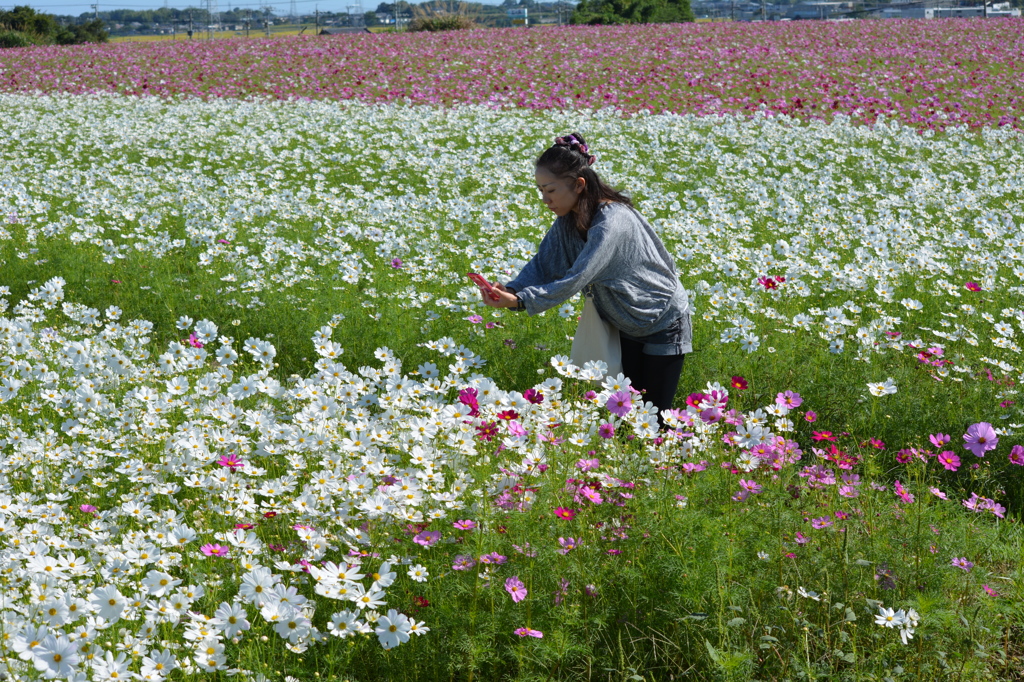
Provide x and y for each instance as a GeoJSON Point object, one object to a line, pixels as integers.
{"type": "Point", "coordinates": [658, 375]}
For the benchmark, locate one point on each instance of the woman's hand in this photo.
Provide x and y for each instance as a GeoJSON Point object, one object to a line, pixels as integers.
{"type": "Point", "coordinates": [505, 299]}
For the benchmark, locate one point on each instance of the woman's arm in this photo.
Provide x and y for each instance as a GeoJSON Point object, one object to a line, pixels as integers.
{"type": "Point", "coordinates": [549, 263]}
{"type": "Point", "coordinates": [603, 241]}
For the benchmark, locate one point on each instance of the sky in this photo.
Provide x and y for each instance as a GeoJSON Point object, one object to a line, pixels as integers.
{"type": "Point", "coordinates": [77, 7]}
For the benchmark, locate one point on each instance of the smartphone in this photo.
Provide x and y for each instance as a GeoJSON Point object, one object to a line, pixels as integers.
{"type": "Point", "coordinates": [485, 285]}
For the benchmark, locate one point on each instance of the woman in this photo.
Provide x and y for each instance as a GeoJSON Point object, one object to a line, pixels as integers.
{"type": "Point", "coordinates": [600, 241]}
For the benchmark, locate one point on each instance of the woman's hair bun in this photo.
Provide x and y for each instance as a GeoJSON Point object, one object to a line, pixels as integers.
{"type": "Point", "coordinates": [575, 142]}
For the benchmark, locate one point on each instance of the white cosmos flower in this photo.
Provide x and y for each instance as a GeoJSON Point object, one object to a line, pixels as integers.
{"type": "Point", "coordinates": [56, 657]}
{"type": "Point", "coordinates": [392, 629]}
{"type": "Point", "coordinates": [889, 618]}
{"type": "Point", "coordinates": [888, 387]}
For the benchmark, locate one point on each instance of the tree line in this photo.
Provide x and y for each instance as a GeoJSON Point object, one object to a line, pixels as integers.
{"type": "Point", "coordinates": [23, 26]}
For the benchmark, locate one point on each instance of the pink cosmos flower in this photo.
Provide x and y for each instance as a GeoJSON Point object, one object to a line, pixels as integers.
{"type": "Point", "coordinates": [493, 558]}
{"type": "Point", "coordinates": [88, 509]}
{"type": "Point", "coordinates": [980, 438]}
{"type": "Point", "coordinates": [739, 383]}
{"type": "Point", "coordinates": [938, 493]}
{"type": "Point", "coordinates": [902, 492]}
{"type": "Point", "coordinates": [972, 286]}
{"type": "Point", "coordinates": [463, 562]}
{"type": "Point", "coordinates": [464, 525]}
{"type": "Point", "coordinates": [938, 439]}
{"type": "Point", "coordinates": [1017, 455]}
{"type": "Point", "coordinates": [848, 491]}
{"type": "Point", "coordinates": [475, 319]}
{"type": "Point", "coordinates": [591, 495]}
{"type": "Point", "coordinates": [517, 429]}
{"type": "Point", "coordinates": [819, 523]}
{"type": "Point", "coordinates": [619, 403]}
{"type": "Point", "coordinates": [949, 460]}
{"type": "Point", "coordinates": [396, 263]}
{"type": "Point", "coordinates": [750, 486]}
{"type": "Point", "coordinates": [568, 544]}
{"type": "Point", "coordinates": [711, 415]}
{"type": "Point", "coordinates": [789, 399]}
{"type": "Point", "coordinates": [515, 587]}
{"type": "Point", "coordinates": [962, 562]}
{"type": "Point", "coordinates": [527, 632]}
{"type": "Point", "coordinates": [811, 416]}
{"type": "Point", "coordinates": [563, 513]}
{"type": "Point", "coordinates": [980, 504]}
{"type": "Point", "coordinates": [427, 538]}
{"type": "Point", "coordinates": [694, 467]}
{"type": "Point", "coordinates": [214, 550]}
{"type": "Point", "coordinates": [989, 591]}
{"type": "Point", "coordinates": [801, 539]}
{"type": "Point", "coordinates": [606, 430]}
{"type": "Point", "coordinates": [588, 464]}
{"type": "Point", "coordinates": [590, 395]}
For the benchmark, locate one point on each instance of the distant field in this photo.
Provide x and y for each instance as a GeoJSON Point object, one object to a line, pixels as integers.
{"type": "Point", "coordinates": [927, 74]}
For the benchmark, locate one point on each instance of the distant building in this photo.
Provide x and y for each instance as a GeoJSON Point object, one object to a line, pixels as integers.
{"type": "Point", "coordinates": [818, 10]}
{"type": "Point", "coordinates": [931, 10]}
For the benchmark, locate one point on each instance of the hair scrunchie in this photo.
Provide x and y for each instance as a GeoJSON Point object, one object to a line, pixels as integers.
{"type": "Point", "coordinates": [571, 142]}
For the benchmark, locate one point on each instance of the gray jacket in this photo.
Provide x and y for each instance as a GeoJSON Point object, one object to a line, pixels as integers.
{"type": "Point", "coordinates": [633, 277]}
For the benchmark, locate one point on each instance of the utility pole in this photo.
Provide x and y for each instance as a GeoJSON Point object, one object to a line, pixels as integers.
{"type": "Point", "coordinates": [190, 24]}
{"type": "Point", "coordinates": [266, 19]}
{"type": "Point", "coordinates": [248, 20]}
{"type": "Point", "coordinates": [764, 11]}
{"type": "Point", "coordinates": [95, 11]}
{"type": "Point", "coordinates": [317, 13]}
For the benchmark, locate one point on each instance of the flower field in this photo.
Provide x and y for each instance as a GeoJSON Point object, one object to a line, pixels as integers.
{"type": "Point", "coordinates": [255, 422]}
{"type": "Point", "coordinates": [927, 74]}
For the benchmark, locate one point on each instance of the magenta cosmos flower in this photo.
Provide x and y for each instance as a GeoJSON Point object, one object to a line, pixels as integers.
{"type": "Point", "coordinates": [620, 403]}
{"type": "Point", "coordinates": [563, 513]}
{"type": "Point", "coordinates": [980, 438]}
{"type": "Point", "coordinates": [214, 550]}
{"type": "Point", "coordinates": [949, 460]}
{"type": "Point", "coordinates": [1017, 455]}
{"type": "Point", "coordinates": [606, 430]}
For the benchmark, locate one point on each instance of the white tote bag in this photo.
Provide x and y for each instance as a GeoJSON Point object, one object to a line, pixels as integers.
{"type": "Point", "coordinates": [596, 340]}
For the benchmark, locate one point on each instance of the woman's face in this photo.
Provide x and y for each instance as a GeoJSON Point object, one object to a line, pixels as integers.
{"type": "Point", "coordinates": [560, 195]}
